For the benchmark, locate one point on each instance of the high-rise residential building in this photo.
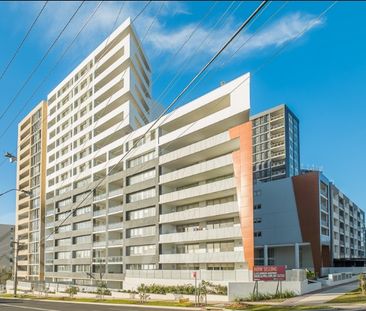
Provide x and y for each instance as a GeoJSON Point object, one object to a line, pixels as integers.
{"type": "Point", "coordinates": [31, 170]}
{"type": "Point", "coordinates": [276, 147]}
{"type": "Point", "coordinates": [6, 249]}
{"type": "Point", "coordinates": [305, 221]}
{"type": "Point", "coordinates": [136, 206]}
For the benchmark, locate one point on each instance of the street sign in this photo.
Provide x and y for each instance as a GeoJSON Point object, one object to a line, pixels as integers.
{"type": "Point", "coordinates": [194, 275]}
{"type": "Point", "coordinates": [269, 273]}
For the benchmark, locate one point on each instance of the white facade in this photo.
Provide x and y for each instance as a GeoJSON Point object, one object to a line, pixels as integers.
{"type": "Point", "coordinates": [124, 201]}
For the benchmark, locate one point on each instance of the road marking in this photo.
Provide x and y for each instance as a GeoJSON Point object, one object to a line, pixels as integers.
{"type": "Point", "coordinates": [28, 308]}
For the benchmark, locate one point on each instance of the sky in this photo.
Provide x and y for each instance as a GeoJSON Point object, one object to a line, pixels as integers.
{"type": "Point", "coordinates": [308, 55]}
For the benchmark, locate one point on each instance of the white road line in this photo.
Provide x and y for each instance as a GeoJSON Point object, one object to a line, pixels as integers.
{"type": "Point", "coordinates": [28, 308]}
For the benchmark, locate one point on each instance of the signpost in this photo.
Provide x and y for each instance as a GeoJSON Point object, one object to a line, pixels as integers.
{"type": "Point", "coordinates": [194, 276]}
{"type": "Point", "coordinates": [269, 273]}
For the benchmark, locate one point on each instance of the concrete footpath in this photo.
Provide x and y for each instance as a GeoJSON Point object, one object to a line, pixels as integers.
{"type": "Point", "coordinates": [322, 296]}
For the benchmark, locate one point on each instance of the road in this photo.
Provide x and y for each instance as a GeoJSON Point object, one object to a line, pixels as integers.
{"type": "Point", "coordinates": [19, 305]}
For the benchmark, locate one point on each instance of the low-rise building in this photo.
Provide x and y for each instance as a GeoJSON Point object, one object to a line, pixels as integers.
{"type": "Point", "coordinates": [6, 250]}
{"type": "Point", "coordinates": [305, 221]}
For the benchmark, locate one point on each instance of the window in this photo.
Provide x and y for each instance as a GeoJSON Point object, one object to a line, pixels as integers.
{"type": "Point", "coordinates": [257, 234]}
{"type": "Point", "coordinates": [141, 159]}
{"type": "Point", "coordinates": [141, 195]}
{"type": "Point", "coordinates": [82, 268]}
{"type": "Point", "coordinates": [188, 249]}
{"type": "Point", "coordinates": [224, 223]}
{"type": "Point", "coordinates": [141, 213]}
{"type": "Point", "coordinates": [65, 228]}
{"type": "Point", "coordinates": [141, 250]}
{"type": "Point", "coordinates": [141, 177]}
{"type": "Point", "coordinates": [220, 200]}
{"type": "Point", "coordinates": [82, 254]}
{"type": "Point", "coordinates": [220, 247]}
{"type": "Point", "coordinates": [141, 231]}
{"type": "Point", "coordinates": [258, 206]}
{"type": "Point", "coordinates": [257, 220]}
{"type": "Point", "coordinates": [82, 225]}
{"type": "Point", "coordinates": [63, 255]}
{"type": "Point", "coordinates": [82, 210]}
{"type": "Point", "coordinates": [257, 193]}
{"type": "Point", "coordinates": [82, 239]}
{"type": "Point", "coordinates": [63, 268]}
{"type": "Point", "coordinates": [64, 203]}
{"type": "Point", "coordinates": [63, 242]}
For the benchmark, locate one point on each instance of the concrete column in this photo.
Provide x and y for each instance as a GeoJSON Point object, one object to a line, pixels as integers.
{"type": "Point", "coordinates": [265, 256]}
{"type": "Point", "coordinates": [297, 256]}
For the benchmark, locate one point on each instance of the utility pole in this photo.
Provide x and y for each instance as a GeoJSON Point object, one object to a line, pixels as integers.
{"type": "Point", "coordinates": [16, 250]}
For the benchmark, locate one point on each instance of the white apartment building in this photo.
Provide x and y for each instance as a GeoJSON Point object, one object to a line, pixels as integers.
{"type": "Point", "coordinates": [180, 200]}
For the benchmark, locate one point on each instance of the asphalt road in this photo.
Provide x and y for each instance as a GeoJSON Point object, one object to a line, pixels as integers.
{"type": "Point", "coordinates": [19, 305]}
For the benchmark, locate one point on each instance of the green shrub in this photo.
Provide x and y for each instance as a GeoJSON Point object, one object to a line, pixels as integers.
{"type": "Point", "coordinates": [187, 289]}
{"type": "Point", "coordinates": [72, 290]}
{"type": "Point", "coordinates": [266, 296]}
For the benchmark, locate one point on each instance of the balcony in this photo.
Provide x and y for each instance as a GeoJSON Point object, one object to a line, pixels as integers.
{"type": "Point", "coordinates": [99, 243]}
{"type": "Point", "coordinates": [198, 169]}
{"type": "Point", "coordinates": [115, 259]}
{"type": "Point", "coordinates": [202, 235]}
{"type": "Point", "coordinates": [101, 212]}
{"type": "Point", "coordinates": [115, 209]}
{"type": "Point", "coordinates": [116, 192]}
{"type": "Point", "coordinates": [100, 197]}
{"type": "Point", "coordinates": [115, 226]}
{"type": "Point", "coordinates": [115, 242]}
{"type": "Point", "coordinates": [208, 190]}
{"type": "Point", "coordinates": [99, 228]}
{"type": "Point", "coordinates": [201, 212]}
{"type": "Point", "coordinates": [219, 257]}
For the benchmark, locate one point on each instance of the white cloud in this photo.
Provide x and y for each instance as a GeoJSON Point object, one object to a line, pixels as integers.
{"type": "Point", "coordinates": [162, 37]}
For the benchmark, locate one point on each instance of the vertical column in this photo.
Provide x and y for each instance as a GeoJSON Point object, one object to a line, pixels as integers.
{"type": "Point", "coordinates": [297, 256]}
{"type": "Point", "coordinates": [265, 255]}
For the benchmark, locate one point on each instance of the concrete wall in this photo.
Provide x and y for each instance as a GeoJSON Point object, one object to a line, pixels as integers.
{"type": "Point", "coordinates": [242, 290]}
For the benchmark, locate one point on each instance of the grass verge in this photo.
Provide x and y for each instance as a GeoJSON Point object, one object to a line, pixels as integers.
{"type": "Point", "coordinates": [162, 303]}
{"type": "Point", "coordinates": [275, 308]}
{"type": "Point", "coordinates": [354, 296]}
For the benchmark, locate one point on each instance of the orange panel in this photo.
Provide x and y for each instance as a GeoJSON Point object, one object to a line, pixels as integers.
{"type": "Point", "coordinates": [243, 170]}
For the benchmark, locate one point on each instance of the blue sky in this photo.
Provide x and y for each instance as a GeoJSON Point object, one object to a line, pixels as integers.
{"type": "Point", "coordinates": [320, 71]}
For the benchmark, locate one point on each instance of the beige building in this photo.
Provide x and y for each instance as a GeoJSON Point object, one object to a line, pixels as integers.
{"type": "Point", "coordinates": [31, 169]}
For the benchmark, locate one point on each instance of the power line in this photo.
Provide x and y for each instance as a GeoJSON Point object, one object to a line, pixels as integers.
{"type": "Point", "coordinates": [41, 61]}
{"type": "Point", "coordinates": [135, 144]}
{"type": "Point", "coordinates": [22, 42]}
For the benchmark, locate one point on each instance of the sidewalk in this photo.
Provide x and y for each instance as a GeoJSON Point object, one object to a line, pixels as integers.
{"type": "Point", "coordinates": [322, 296]}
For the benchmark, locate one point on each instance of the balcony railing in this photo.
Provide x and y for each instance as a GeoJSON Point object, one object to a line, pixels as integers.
{"type": "Point", "coordinates": [99, 228]}
{"type": "Point", "coordinates": [115, 209]}
{"type": "Point", "coordinates": [117, 225]}
{"type": "Point", "coordinates": [115, 242]}
{"type": "Point", "coordinates": [101, 212]}
{"type": "Point", "coordinates": [115, 259]}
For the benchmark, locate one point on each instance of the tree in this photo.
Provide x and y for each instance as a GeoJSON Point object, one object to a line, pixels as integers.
{"type": "Point", "coordinates": [362, 279]}
{"type": "Point", "coordinates": [72, 290]}
{"type": "Point", "coordinates": [142, 290]}
{"type": "Point", "coordinates": [102, 289]}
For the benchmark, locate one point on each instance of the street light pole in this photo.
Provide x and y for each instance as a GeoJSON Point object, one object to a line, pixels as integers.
{"type": "Point", "coordinates": [20, 190]}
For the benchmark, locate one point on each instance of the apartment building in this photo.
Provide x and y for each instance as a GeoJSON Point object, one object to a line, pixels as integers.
{"type": "Point", "coordinates": [31, 170]}
{"type": "Point", "coordinates": [306, 222]}
{"type": "Point", "coordinates": [348, 227]}
{"type": "Point", "coordinates": [276, 147]}
{"type": "Point", "coordinates": [6, 248]}
{"type": "Point", "coordinates": [130, 206]}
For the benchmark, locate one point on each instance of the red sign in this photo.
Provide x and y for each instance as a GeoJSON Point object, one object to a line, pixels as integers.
{"type": "Point", "coordinates": [269, 273]}
{"type": "Point", "coordinates": [194, 275]}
